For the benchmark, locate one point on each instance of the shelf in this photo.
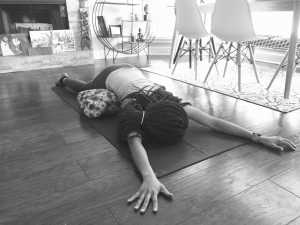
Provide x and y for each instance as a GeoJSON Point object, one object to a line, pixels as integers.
{"type": "Point", "coordinates": [132, 21]}
{"type": "Point", "coordinates": [116, 36]}
{"type": "Point", "coordinates": [116, 3]}
{"type": "Point", "coordinates": [119, 36]}
{"type": "Point", "coordinates": [136, 42]}
{"type": "Point", "coordinates": [127, 46]}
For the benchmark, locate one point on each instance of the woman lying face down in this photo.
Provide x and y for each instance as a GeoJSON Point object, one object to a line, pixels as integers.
{"type": "Point", "coordinates": [151, 113]}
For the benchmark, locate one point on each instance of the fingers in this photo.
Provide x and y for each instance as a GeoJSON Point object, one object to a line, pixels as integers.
{"type": "Point", "coordinates": [154, 202]}
{"type": "Point", "coordinates": [145, 201]}
{"type": "Point", "coordinates": [290, 144]}
{"type": "Point", "coordinates": [140, 201]}
{"type": "Point", "coordinates": [277, 147]}
{"type": "Point", "coordinates": [138, 204]}
{"type": "Point", "coordinates": [166, 192]}
{"type": "Point", "coordinates": [136, 195]}
{"type": "Point", "coordinates": [280, 143]}
{"type": "Point", "coordinates": [284, 142]}
{"type": "Point", "coordinates": [145, 204]}
{"type": "Point", "coordinates": [144, 195]}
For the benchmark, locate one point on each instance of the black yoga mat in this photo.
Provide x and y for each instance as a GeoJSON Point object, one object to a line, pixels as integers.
{"type": "Point", "coordinates": [199, 142]}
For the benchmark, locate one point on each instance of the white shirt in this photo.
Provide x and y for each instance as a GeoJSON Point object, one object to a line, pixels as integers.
{"type": "Point", "coordinates": [125, 81]}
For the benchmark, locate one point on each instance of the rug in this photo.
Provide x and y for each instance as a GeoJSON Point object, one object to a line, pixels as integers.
{"type": "Point", "coordinates": [251, 90]}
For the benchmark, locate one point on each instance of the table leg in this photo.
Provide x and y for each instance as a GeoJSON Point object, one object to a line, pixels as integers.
{"type": "Point", "coordinates": [292, 50]}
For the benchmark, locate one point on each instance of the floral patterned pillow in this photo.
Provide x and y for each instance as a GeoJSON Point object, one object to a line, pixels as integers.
{"type": "Point", "coordinates": [98, 102]}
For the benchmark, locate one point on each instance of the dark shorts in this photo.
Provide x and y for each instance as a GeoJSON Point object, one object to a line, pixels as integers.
{"type": "Point", "coordinates": [102, 76]}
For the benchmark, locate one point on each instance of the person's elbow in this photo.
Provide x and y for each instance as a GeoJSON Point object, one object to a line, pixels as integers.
{"type": "Point", "coordinates": [134, 142]}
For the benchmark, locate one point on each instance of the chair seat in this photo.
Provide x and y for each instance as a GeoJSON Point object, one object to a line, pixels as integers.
{"type": "Point", "coordinates": [272, 42]}
{"type": "Point", "coordinates": [229, 37]}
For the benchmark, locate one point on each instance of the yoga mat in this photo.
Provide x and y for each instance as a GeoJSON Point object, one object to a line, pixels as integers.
{"type": "Point", "coordinates": [199, 142]}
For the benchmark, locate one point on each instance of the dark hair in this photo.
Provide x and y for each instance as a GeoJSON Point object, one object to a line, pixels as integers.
{"type": "Point", "coordinates": [163, 116]}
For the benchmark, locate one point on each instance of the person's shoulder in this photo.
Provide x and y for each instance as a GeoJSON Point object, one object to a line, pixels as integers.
{"type": "Point", "coordinates": [126, 65]}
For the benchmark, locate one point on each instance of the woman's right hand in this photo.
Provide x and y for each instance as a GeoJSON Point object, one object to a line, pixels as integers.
{"type": "Point", "coordinates": [149, 190]}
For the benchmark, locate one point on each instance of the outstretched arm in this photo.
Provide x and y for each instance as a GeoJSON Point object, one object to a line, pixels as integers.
{"type": "Point", "coordinates": [151, 186]}
{"type": "Point", "coordinates": [233, 129]}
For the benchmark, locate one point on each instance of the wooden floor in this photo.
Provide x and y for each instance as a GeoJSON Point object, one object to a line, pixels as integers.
{"type": "Point", "coordinates": [57, 169]}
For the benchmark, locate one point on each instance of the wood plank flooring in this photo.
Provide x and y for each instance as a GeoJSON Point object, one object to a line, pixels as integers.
{"type": "Point", "coordinates": [57, 169]}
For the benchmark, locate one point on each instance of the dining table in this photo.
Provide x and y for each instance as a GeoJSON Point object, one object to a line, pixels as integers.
{"type": "Point", "coordinates": [266, 6]}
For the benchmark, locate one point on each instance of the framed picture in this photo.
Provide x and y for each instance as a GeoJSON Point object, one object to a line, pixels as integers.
{"type": "Point", "coordinates": [13, 44]}
{"type": "Point", "coordinates": [59, 40]}
{"type": "Point", "coordinates": [115, 30]}
{"type": "Point", "coordinates": [63, 39]}
{"type": "Point", "coordinates": [41, 38]}
{"type": "Point", "coordinates": [21, 44]}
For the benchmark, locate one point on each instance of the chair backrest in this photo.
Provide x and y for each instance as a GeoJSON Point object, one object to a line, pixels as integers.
{"type": "Point", "coordinates": [232, 21]}
{"type": "Point", "coordinates": [189, 20]}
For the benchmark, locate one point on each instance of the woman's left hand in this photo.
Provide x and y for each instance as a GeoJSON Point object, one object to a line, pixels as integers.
{"type": "Point", "coordinates": [277, 143]}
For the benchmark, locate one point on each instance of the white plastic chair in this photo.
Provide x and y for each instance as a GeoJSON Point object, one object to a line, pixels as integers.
{"type": "Point", "coordinates": [190, 25]}
{"type": "Point", "coordinates": [232, 22]}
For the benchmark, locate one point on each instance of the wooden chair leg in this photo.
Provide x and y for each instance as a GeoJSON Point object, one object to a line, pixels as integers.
{"type": "Point", "coordinates": [190, 54]}
{"type": "Point", "coordinates": [178, 48]}
{"type": "Point", "coordinates": [227, 59]}
{"type": "Point", "coordinates": [196, 59]}
{"type": "Point", "coordinates": [253, 62]}
{"type": "Point", "coordinates": [178, 57]}
{"type": "Point", "coordinates": [278, 69]}
{"type": "Point", "coordinates": [200, 47]}
{"type": "Point", "coordinates": [173, 46]}
{"type": "Point", "coordinates": [253, 49]}
{"type": "Point", "coordinates": [213, 63]}
{"type": "Point", "coordinates": [213, 45]}
{"type": "Point", "coordinates": [211, 51]}
{"type": "Point", "coordinates": [238, 63]}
